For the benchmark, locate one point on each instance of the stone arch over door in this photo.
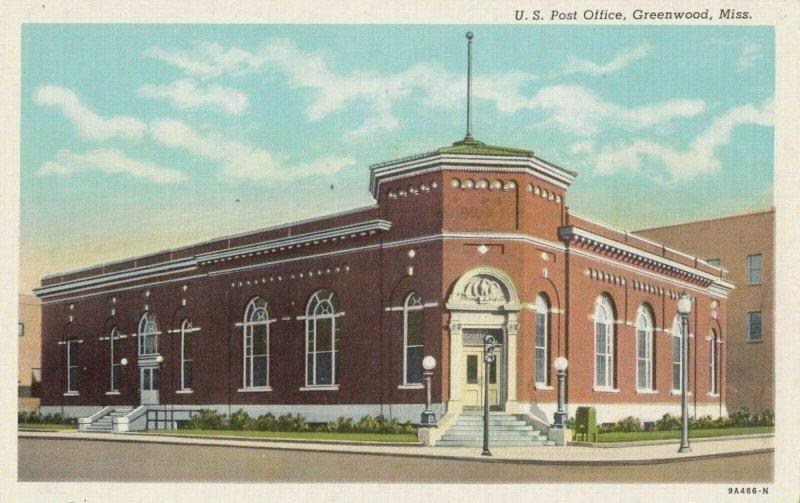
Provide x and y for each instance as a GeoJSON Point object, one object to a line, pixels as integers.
{"type": "Point", "coordinates": [483, 298]}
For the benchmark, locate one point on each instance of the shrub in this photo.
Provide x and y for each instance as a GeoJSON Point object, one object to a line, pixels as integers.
{"type": "Point", "coordinates": [36, 417]}
{"type": "Point", "coordinates": [288, 422]}
{"type": "Point", "coordinates": [266, 422]}
{"type": "Point", "coordinates": [340, 425]}
{"type": "Point", "coordinates": [741, 417]}
{"type": "Point", "coordinates": [571, 423]}
{"type": "Point", "coordinates": [765, 418]}
{"type": "Point", "coordinates": [241, 420]}
{"type": "Point", "coordinates": [206, 419]}
{"type": "Point", "coordinates": [629, 423]}
{"type": "Point", "coordinates": [668, 422]}
{"type": "Point", "coordinates": [701, 423]}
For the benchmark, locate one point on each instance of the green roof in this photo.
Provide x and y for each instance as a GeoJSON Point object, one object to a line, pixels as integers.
{"type": "Point", "coordinates": [470, 146]}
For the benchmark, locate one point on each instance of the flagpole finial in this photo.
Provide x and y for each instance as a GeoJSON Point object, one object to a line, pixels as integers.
{"type": "Point", "coordinates": [469, 86]}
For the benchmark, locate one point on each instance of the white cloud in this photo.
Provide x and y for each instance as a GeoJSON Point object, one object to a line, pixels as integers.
{"type": "Point", "coordinates": [210, 60]}
{"type": "Point", "coordinates": [618, 62]}
{"type": "Point", "coordinates": [89, 124]}
{"type": "Point", "coordinates": [579, 110]}
{"type": "Point", "coordinates": [111, 161]}
{"type": "Point", "coordinates": [665, 164]}
{"type": "Point", "coordinates": [184, 94]}
{"type": "Point", "coordinates": [238, 160]}
{"type": "Point", "coordinates": [751, 54]}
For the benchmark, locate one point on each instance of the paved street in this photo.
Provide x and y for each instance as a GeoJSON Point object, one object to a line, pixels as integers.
{"type": "Point", "coordinates": [54, 459]}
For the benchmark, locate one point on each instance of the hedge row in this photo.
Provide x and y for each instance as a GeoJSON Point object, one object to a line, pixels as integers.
{"type": "Point", "coordinates": [36, 417]}
{"type": "Point", "coordinates": [207, 419]}
{"type": "Point", "coordinates": [741, 417]}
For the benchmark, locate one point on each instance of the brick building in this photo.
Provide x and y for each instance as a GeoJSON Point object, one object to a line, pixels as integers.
{"type": "Point", "coordinates": [744, 246]}
{"type": "Point", "coordinates": [332, 316]}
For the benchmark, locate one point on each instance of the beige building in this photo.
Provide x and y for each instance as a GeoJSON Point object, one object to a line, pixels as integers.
{"type": "Point", "coordinates": [744, 245]}
{"type": "Point", "coordinates": [29, 337]}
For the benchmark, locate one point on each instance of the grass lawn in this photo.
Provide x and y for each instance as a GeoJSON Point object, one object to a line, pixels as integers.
{"type": "Point", "coordinates": [634, 436]}
{"type": "Point", "coordinates": [46, 426]}
{"type": "Point", "coordinates": [309, 435]}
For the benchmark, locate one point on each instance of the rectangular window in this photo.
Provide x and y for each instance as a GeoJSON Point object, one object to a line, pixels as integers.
{"type": "Point", "coordinates": [414, 347]}
{"type": "Point", "coordinates": [754, 326]}
{"type": "Point", "coordinates": [644, 360]}
{"type": "Point", "coordinates": [72, 366]}
{"type": "Point", "coordinates": [116, 366]}
{"type": "Point", "coordinates": [186, 368]}
{"type": "Point", "coordinates": [754, 269]}
{"type": "Point", "coordinates": [713, 261]}
{"type": "Point", "coordinates": [676, 362]}
{"type": "Point", "coordinates": [472, 369]}
{"type": "Point", "coordinates": [712, 364]}
{"type": "Point", "coordinates": [20, 329]}
{"type": "Point", "coordinates": [541, 348]}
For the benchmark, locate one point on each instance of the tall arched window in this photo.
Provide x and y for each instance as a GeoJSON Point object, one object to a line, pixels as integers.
{"type": "Point", "coordinates": [256, 344]}
{"type": "Point", "coordinates": [541, 338]}
{"type": "Point", "coordinates": [677, 354]}
{"type": "Point", "coordinates": [604, 343]}
{"type": "Point", "coordinates": [712, 362]}
{"type": "Point", "coordinates": [186, 355]}
{"type": "Point", "coordinates": [412, 339]}
{"type": "Point", "coordinates": [322, 338]}
{"type": "Point", "coordinates": [114, 360]}
{"type": "Point", "coordinates": [148, 334]}
{"type": "Point", "coordinates": [644, 349]}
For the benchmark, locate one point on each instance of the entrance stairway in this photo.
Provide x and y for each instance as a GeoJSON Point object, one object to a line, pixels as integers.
{"type": "Point", "coordinates": [104, 424]}
{"type": "Point", "coordinates": [505, 430]}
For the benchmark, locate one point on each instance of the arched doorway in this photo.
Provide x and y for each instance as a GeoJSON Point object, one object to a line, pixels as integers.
{"type": "Point", "coordinates": [483, 301]}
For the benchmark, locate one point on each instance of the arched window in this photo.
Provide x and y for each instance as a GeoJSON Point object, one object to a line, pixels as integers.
{"type": "Point", "coordinates": [677, 354]}
{"type": "Point", "coordinates": [412, 339]}
{"type": "Point", "coordinates": [712, 362]}
{"type": "Point", "coordinates": [148, 334]}
{"type": "Point", "coordinates": [114, 359]}
{"type": "Point", "coordinates": [541, 338]}
{"type": "Point", "coordinates": [256, 344]}
{"type": "Point", "coordinates": [604, 343]}
{"type": "Point", "coordinates": [186, 355]}
{"type": "Point", "coordinates": [322, 338]}
{"type": "Point", "coordinates": [644, 349]}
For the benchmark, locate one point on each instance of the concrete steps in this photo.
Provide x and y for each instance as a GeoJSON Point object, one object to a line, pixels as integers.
{"type": "Point", "coordinates": [105, 423]}
{"type": "Point", "coordinates": [505, 430]}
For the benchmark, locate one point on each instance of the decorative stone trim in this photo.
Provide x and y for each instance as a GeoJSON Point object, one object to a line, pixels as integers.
{"type": "Point", "coordinates": [259, 389]}
{"type": "Point", "coordinates": [333, 387]}
{"type": "Point", "coordinates": [411, 386]}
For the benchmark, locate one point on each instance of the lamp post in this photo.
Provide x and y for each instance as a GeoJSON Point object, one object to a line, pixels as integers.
{"type": "Point", "coordinates": [488, 359]}
{"type": "Point", "coordinates": [560, 415]}
{"type": "Point", "coordinates": [684, 308]}
{"type": "Point", "coordinates": [428, 417]}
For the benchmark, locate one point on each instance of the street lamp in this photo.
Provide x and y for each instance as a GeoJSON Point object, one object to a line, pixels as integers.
{"type": "Point", "coordinates": [684, 308]}
{"type": "Point", "coordinates": [559, 417]}
{"type": "Point", "coordinates": [428, 417]}
{"type": "Point", "coordinates": [488, 359]}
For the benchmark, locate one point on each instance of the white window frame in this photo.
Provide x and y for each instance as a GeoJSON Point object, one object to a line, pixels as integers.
{"type": "Point", "coordinates": [713, 355]}
{"type": "Point", "coordinates": [751, 269]}
{"type": "Point", "coordinates": [677, 360]}
{"type": "Point", "coordinates": [114, 363]}
{"type": "Point", "coordinates": [148, 334]}
{"type": "Point", "coordinates": [186, 331]}
{"type": "Point", "coordinates": [321, 306]}
{"type": "Point", "coordinates": [541, 327]}
{"type": "Point", "coordinates": [255, 314]}
{"type": "Point", "coordinates": [749, 326]}
{"type": "Point", "coordinates": [604, 315]}
{"type": "Point", "coordinates": [413, 303]}
{"type": "Point", "coordinates": [644, 329]}
{"type": "Point", "coordinates": [72, 352]}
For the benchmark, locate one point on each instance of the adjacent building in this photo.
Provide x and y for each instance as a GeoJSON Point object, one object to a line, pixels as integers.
{"type": "Point", "coordinates": [29, 338]}
{"type": "Point", "coordinates": [744, 246]}
{"type": "Point", "coordinates": [332, 316]}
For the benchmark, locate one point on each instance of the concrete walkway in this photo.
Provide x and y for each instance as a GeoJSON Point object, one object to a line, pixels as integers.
{"type": "Point", "coordinates": [628, 454]}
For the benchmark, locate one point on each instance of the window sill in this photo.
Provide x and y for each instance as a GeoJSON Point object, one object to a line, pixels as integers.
{"type": "Point", "coordinates": [185, 391]}
{"type": "Point", "coordinates": [333, 387]}
{"type": "Point", "coordinates": [604, 389]}
{"type": "Point", "coordinates": [542, 387]}
{"type": "Point", "coordinates": [677, 392]}
{"type": "Point", "coordinates": [755, 341]}
{"type": "Point", "coordinates": [411, 386]}
{"type": "Point", "coordinates": [259, 389]}
{"type": "Point", "coordinates": [646, 391]}
{"type": "Point", "coordinates": [713, 395]}
{"type": "Point", "coordinates": [112, 393]}
{"type": "Point", "coordinates": [71, 393]}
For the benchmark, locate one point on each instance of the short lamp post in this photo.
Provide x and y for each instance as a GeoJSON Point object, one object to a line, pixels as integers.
{"type": "Point", "coordinates": [488, 359]}
{"type": "Point", "coordinates": [684, 308]}
{"type": "Point", "coordinates": [428, 417]}
{"type": "Point", "coordinates": [559, 418]}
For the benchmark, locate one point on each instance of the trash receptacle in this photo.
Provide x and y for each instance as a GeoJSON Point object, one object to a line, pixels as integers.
{"type": "Point", "coordinates": [585, 424]}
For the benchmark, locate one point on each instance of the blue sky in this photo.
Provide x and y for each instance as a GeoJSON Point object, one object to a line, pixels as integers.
{"type": "Point", "coordinates": [137, 138]}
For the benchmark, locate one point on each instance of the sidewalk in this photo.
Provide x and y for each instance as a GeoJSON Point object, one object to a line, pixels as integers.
{"type": "Point", "coordinates": [637, 454]}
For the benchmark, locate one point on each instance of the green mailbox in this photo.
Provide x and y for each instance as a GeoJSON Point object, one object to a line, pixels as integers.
{"type": "Point", "coordinates": [585, 424]}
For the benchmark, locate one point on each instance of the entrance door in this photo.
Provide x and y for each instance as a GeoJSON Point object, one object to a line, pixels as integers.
{"type": "Point", "coordinates": [148, 385]}
{"type": "Point", "coordinates": [472, 390]}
